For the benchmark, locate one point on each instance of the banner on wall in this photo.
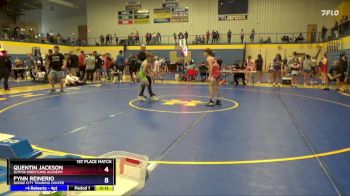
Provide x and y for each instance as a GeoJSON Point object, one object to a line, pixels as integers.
{"type": "Point", "coordinates": [162, 15]}
{"type": "Point", "coordinates": [179, 14]}
{"type": "Point", "coordinates": [141, 17]}
{"type": "Point", "coordinates": [233, 17]}
{"type": "Point", "coordinates": [125, 17]}
{"type": "Point", "coordinates": [133, 5]}
{"type": "Point", "coordinates": [133, 2]}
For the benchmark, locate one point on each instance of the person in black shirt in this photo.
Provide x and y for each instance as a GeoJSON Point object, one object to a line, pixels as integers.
{"type": "Point", "coordinates": [344, 64]}
{"type": "Point", "coordinates": [237, 76]}
{"type": "Point", "coordinates": [5, 68]}
{"type": "Point", "coordinates": [259, 66]}
{"type": "Point", "coordinates": [98, 65]}
{"type": "Point", "coordinates": [335, 74]}
{"type": "Point", "coordinates": [73, 63]}
{"type": "Point", "coordinates": [57, 63]}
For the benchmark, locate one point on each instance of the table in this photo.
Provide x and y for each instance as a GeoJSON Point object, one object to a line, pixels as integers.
{"type": "Point", "coordinates": [233, 72]}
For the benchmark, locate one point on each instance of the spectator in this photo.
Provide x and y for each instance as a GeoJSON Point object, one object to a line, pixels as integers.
{"type": "Point", "coordinates": [324, 68]}
{"type": "Point", "coordinates": [313, 35]}
{"type": "Point", "coordinates": [276, 72]}
{"type": "Point", "coordinates": [252, 36]}
{"type": "Point", "coordinates": [82, 65]}
{"type": "Point", "coordinates": [242, 36]}
{"type": "Point", "coordinates": [73, 60]}
{"type": "Point", "coordinates": [217, 36]}
{"type": "Point", "coordinates": [107, 64]}
{"type": "Point", "coordinates": [107, 39]}
{"type": "Point", "coordinates": [307, 65]}
{"type": "Point", "coordinates": [229, 35]}
{"type": "Point", "coordinates": [90, 66]}
{"type": "Point", "coordinates": [336, 75]}
{"type": "Point", "coordinates": [121, 65]}
{"type": "Point", "coordinates": [159, 36]}
{"type": "Point", "coordinates": [5, 68]}
{"type": "Point", "coordinates": [208, 36]}
{"type": "Point", "coordinates": [18, 64]}
{"type": "Point", "coordinates": [250, 66]}
{"type": "Point", "coordinates": [102, 40]}
{"type": "Point", "coordinates": [98, 66]}
{"type": "Point", "coordinates": [259, 65]}
{"type": "Point", "coordinates": [213, 37]}
{"type": "Point", "coordinates": [30, 65]}
{"type": "Point", "coordinates": [295, 68]}
{"type": "Point", "coordinates": [237, 76]}
{"type": "Point", "coordinates": [186, 36]}
{"type": "Point", "coordinates": [116, 39]}
{"type": "Point", "coordinates": [175, 38]}
{"type": "Point", "coordinates": [344, 65]}
{"type": "Point", "coordinates": [299, 39]}
{"type": "Point", "coordinates": [323, 33]}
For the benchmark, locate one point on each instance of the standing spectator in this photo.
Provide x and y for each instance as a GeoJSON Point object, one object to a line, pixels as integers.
{"type": "Point", "coordinates": [102, 40]}
{"type": "Point", "coordinates": [47, 61]}
{"type": "Point", "coordinates": [107, 64]}
{"type": "Point", "coordinates": [137, 37]}
{"type": "Point", "coordinates": [295, 68]}
{"type": "Point", "coordinates": [344, 65]}
{"type": "Point", "coordinates": [5, 68]}
{"type": "Point", "coordinates": [98, 65]}
{"type": "Point", "coordinates": [307, 66]}
{"type": "Point", "coordinates": [82, 65]}
{"type": "Point", "coordinates": [217, 36]}
{"type": "Point", "coordinates": [324, 67]}
{"type": "Point", "coordinates": [242, 36]}
{"type": "Point", "coordinates": [213, 37]}
{"type": "Point", "coordinates": [175, 38]}
{"type": "Point", "coordinates": [186, 36]}
{"type": "Point", "coordinates": [90, 66]}
{"type": "Point", "coordinates": [323, 33]}
{"type": "Point", "coordinates": [229, 35]}
{"type": "Point", "coordinates": [30, 65]}
{"type": "Point", "coordinates": [250, 65]}
{"type": "Point", "coordinates": [313, 35]}
{"type": "Point", "coordinates": [159, 38]}
{"type": "Point", "coordinates": [259, 65]}
{"type": "Point", "coordinates": [116, 39]}
{"type": "Point", "coordinates": [120, 65]}
{"type": "Point", "coordinates": [107, 39]}
{"type": "Point", "coordinates": [208, 36]}
{"type": "Point", "coordinates": [276, 72]}
{"type": "Point", "coordinates": [73, 62]}
{"type": "Point", "coordinates": [252, 36]}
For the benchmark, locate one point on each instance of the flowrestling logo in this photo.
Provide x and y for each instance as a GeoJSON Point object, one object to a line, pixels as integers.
{"type": "Point", "coordinates": [329, 12]}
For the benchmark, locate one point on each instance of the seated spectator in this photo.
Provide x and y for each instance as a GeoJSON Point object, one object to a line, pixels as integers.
{"type": "Point", "coordinates": [336, 75]}
{"type": "Point", "coordinates": [191, 71]}
{"type": "Point", "coordinates": [237, 76]}
{"type": "Point", "coordinates": [300, 38]}
{"type": "Point", "coordinates": [203, 71]}
{"type": "Point", "coordinates": [18, 68]}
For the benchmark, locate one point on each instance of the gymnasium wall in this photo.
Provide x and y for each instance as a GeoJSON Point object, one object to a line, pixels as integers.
{"type": "Point", "coordinates": [266, 16]}
{"type": "Point", "coordinates": [6, 20]}
{"type": "Point", "coordinates": [63, 20]}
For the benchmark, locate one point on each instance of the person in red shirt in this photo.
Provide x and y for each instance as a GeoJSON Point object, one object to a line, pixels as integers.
{"type": "Point", "coordinates": [82, 65]}
{"type": "Point", "coordinates": [107, 64]}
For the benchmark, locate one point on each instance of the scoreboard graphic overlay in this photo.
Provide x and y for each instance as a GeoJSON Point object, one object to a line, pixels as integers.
{"type": "Point", "coordinates": [61, 174]}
